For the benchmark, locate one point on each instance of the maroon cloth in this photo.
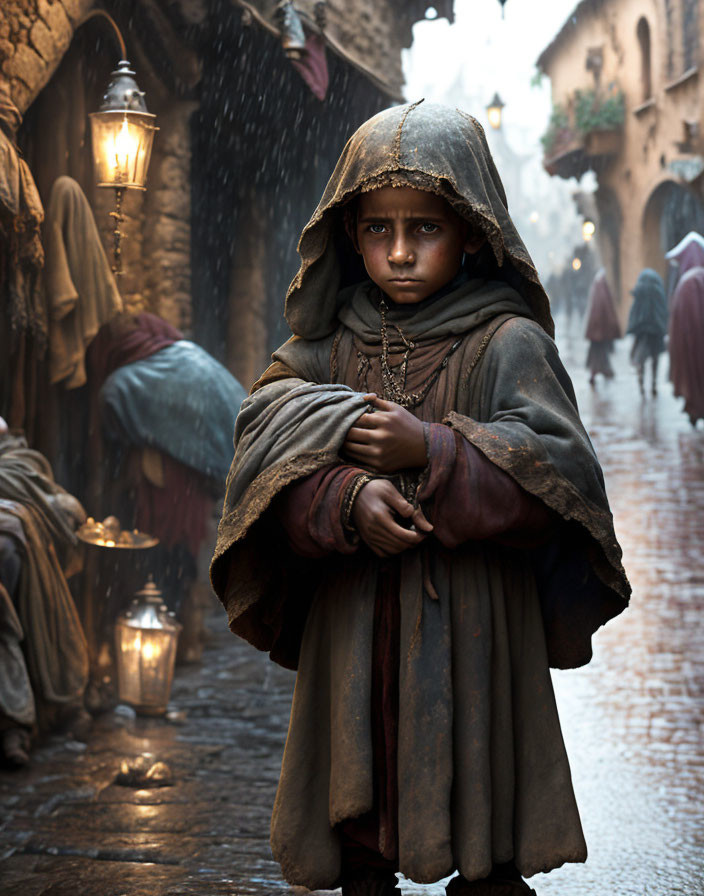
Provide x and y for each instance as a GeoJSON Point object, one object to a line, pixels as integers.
{"type": "Point", "coordinates": [692, 256]}
{"type": "Point", "coordinates": [686, 343]}
{"type": "Point", "coordinates": [465, 497]}
{"type": "Point", "coordinates": [602, 321]}
{"type": "Point", "coordinates": [178, 512]}
{"type": "Point", "coordinates": [468, 497]}
{"type": "Point", "coordinates": [313, 66]}
{"type": "Point", "coordinates": [311, 512]}
{"type": "Point", "coordinates": [127, 338]}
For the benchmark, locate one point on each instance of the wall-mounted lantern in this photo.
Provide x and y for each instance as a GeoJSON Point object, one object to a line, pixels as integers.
{"type": "Point", "coordinates": [588, 230]}
{"type": "Point", "coordinates": [146, 636]}
{"type": "Point", "coordinates": [494, 112]}
{"type": "Point", "coordinates": [122, 132]}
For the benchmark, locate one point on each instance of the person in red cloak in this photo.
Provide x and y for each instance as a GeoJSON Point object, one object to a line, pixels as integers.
{"type": "Point", "coordinates": [602, 329]}
{"type": "Point", "coordinates": [686, 342]}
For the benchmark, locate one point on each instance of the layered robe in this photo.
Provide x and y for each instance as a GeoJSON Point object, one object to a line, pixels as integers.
{"type": "Point", "coordinates": [483, 777]}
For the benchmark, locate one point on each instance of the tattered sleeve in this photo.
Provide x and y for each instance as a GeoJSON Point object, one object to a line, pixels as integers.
{"type": "Point", "coordinates": [466, 496]}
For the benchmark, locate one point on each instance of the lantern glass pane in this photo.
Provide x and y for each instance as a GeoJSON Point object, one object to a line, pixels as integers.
{"type": "Point", "coordinates": [122, 147]}
{"type": "Point", "coordinates": [145, 666]}
{"type": "Point", "coordinates": [494, 115]}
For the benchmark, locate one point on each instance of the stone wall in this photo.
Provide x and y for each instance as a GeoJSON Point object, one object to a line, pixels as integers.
{"type": "Point", "coordinates": [34, 35]}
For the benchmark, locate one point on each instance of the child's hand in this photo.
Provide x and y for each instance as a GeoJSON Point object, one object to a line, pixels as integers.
{"type": "Point", "coordinates": [387, 440]}
{"type": "Point", "coordinates": [373, 512]}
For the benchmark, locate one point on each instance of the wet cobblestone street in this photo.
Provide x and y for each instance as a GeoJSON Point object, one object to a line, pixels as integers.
{"type": "Point", "coordinates": [633, 720]}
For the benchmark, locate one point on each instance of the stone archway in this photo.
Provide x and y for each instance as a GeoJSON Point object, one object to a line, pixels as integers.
{"type": "Point", "coordinates": [671, 211]}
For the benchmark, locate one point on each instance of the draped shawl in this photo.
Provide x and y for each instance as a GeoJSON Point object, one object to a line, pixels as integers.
{"type": "Point", "coordinates": [483, 774]}
{"type": "Point", "coordinates": [34, 511]}
{"type": "Point", "coordinates": [648, 314]}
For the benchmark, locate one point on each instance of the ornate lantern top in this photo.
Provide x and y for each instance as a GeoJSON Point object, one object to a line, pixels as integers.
{"type": "Point", "coordinates": [123, 92]}
{"type": "Point", "coordinates": [147, 611]}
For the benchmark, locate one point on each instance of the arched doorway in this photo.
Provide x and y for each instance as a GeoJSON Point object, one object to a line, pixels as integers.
{"type": "Point", "coordinates": [670, 213]}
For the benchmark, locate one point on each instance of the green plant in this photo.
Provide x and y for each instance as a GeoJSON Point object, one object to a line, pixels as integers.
{"type": "Point", "coordinates": [558, 124]}
{"type": "Point", "coordinates": [596, 112]}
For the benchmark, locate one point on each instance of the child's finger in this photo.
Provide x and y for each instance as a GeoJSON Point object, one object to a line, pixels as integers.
{"type": "Point", "coordinates": [401, 538]}
{"type": "Point", "coordinates": [358, 434]}
{"type": "Point", "coordinates": [382, 404]}
{"type": "Point", "coordinates": [420, 521]}
{"type": "Point", "coordinates": [367, 421]}
{"type": "Point", "coordinates": [397, 502]}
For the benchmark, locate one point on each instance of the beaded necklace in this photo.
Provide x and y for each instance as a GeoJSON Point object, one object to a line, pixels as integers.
{"type": "Point", "coordinates": [393, 389]}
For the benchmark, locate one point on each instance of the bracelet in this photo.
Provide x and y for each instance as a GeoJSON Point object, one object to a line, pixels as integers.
{"type": "Point", "coordinates": [351, 493]}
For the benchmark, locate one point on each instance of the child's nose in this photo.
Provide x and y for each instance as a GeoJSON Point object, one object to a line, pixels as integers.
{"type": "Point", "coordinates": [401, 252]}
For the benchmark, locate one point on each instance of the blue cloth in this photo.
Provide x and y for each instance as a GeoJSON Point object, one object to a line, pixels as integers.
{"type": "Point", "coordinates": [179, 400]}
{"type": "Point", "coordinates": [648, 315]}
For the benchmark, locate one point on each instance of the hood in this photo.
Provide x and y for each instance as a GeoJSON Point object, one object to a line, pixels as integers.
{"type": "Point", "coordinates": [648, 312]}
{"type": "Point", "coordinates": [688, 253]}
{"type": "Point", "coordinates": [429, 147]}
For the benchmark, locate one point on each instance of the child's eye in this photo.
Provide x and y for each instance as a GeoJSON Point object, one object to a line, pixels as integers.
{"type": "Point", "coordinates": [428, 227]}
{"type": "Point", "coordinates": [377, 228]}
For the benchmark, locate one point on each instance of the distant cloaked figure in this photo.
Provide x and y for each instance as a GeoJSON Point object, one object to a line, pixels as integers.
{"type": "Point", "coordinates": [647, 321]}
{"type": "Point", "coordinates": [687, 254]}
{"type": "Point", "coordinates": [602, 329]}
{"type": "Point", "coordinates": [686, 343]}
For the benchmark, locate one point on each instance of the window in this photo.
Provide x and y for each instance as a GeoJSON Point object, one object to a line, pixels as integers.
{"type": "Point", "coordinates": [690, 34]}
{"type": "Point", "coordinates": [643, 33]}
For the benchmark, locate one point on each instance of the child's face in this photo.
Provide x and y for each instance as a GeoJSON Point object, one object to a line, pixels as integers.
{"type": "Point", "coordinates": [411, 241]}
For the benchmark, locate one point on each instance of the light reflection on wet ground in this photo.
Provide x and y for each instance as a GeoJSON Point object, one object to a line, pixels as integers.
{"type": "Point", "coordinates": [634, 718]}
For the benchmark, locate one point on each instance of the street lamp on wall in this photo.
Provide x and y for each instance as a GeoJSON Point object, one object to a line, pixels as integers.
{"type": "Point", "coordinates": [122, 132]}
{"type": "Point", "coordinates": [494, 112]}
{"type": "Point", "coordinates": [588, 230]}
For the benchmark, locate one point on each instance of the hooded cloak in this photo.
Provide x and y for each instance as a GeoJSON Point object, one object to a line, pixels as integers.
{"type": "Point", "coordinates": [686, 344]}
{"type": "Point", "coordinates": [602, 320]}
{"type": "Point", "coordinates": [430, 147]}
{"type": "Point", "coordinates": [688, 253]}
{"type": "Point", "coordinates": [483, 774]}
{"type": "Point", "coordinates": [648, 314]}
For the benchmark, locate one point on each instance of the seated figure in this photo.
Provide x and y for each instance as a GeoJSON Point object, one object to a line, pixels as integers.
{"type": "Point", "coordinates": [43, 653]}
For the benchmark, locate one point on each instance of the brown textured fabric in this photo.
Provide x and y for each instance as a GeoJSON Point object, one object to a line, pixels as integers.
{"type": "Point", "coordinates": [483, 778]}
{"type": "Point", "coordinates": [81, 290]}
{"type": "Point", "coordinates": [54, 643]}
{"type": "Point", "coordinates": [493, 782]}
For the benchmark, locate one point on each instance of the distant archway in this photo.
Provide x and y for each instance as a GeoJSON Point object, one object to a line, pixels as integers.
{"type": "Point", "coordinates": [646, 79]}
{"type": "Point", "coordinates": [670, 213]}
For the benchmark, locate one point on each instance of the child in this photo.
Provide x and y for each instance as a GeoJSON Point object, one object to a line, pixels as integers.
{"type": "Point", "coordinates": [416, 521]}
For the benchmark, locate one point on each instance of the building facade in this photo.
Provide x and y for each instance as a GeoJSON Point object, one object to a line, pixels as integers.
{"type": "Point", "coordinates": [627, 100]}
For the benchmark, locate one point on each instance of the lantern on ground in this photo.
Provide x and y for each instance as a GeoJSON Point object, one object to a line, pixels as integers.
{"type": "Point", "coordinates": [146, 636]}
{"type": "Point", "coordinates": [122, 133]}
{"type": "Point", "coordinates": [494, 112]}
